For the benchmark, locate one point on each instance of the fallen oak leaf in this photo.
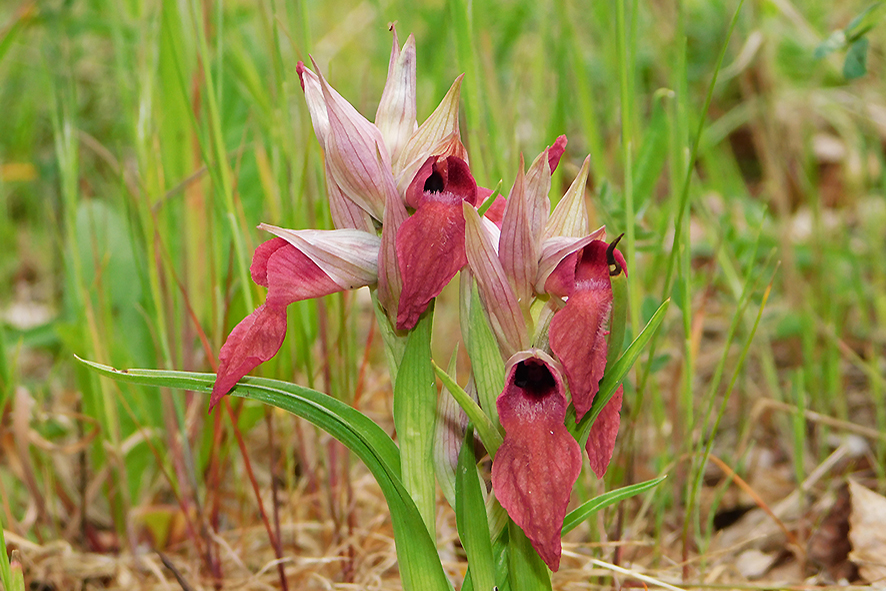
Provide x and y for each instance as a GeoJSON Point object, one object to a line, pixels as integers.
{"type": "Point", "coordinates": [867, 532]}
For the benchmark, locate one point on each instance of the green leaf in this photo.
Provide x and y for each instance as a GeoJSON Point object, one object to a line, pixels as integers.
{"type": "Point", "coordinates": [447, 436]}
{"type": "Point", "coordinates": [500, 550]}
{"type": "Point", "coordinates": [526, 570]}
{"type": "Point", "coordinates": [470, 517]}
{"type": "Point", "coordinates": [415, 415]}
{"type": "Point", "coordinates": [490, 200]}
{"type": "Point", "coordinates": [486, 363]}
{"type": "Point", "coordinates": [615, 375]}
{"type": "Point", "coordinates": [837, 40]}
{"type": "Point", "coordinates": [489, 435]}
{"type": "Point", "coordinates": [420, 565]}
{"type": "Point", "coordinates": [588, 508]}
{"type": "Point", "coordinates": [856, 64]}
{"type": "Point", "coordinates": [865, 21]}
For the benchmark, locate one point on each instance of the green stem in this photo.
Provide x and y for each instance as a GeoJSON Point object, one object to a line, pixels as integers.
{"type": "Point", "coordinates": [415, 409]}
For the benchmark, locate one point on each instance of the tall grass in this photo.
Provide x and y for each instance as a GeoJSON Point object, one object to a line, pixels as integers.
{"type": "Point", "coordinates": [142, 142]}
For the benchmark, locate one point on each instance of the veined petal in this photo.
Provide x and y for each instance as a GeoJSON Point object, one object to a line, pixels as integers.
{"type": "Point", "coordinates": [442, 178]}
{"type": "Point", "coordinates": [601, 442]}
{"type": "Point", "coordinates": [538, 186]}
{"type": "Point", "coordinates": [395, 117]}
{"type": "Point", "coordinates": [515, 246]}
{"type": "Point", "coordinates": [578, 337]}
{"type": "Point", "coordinates": [430, 251]}
{"type": "Point", "coordinates": [390, 282]}
{"type": "Point", "coordinates": [348, 257]}
{"type": "Point", "coordinates": [344, 212]}
{"type": "Point", "coordinates": [357, 159]}
{"type": "Point", "coordinates": [310, 84]}
{"type": "Point", "coordinates": [524, 219]}
{"type": "Point", "coordinates": [555, 152]}
{"type": "Point", "coordinates": [570, 217]}
{"type": "Point", "coordinates": [290, 276]}
{"type": "Point", "coordinates": [502, 308]}
{"type": "Point", "coordinates": [556, 273]}
{"type": "Point", "coordinates": [538, 463]}
{"type": "Point", "coordinates": [442, 122]}
{"type": "Point", "coordinates": [256, 339]}
{"type": "Point", "coordinates": [431, 243]}
{"type": "Point", "coordinates": [578, 334]}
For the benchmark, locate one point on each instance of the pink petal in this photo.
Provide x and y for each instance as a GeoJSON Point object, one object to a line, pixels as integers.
{"type": "Point", "coordinates": [442, 179]}
{"type": "Point", "coordinates": [431, 244]}
{"type": "Point", "coordinates": [578, 338]}
{"type": "Point", "coordinates": [601, 442]}
{"type": "Point", "coordinates": [570, 217]}
{"type": "Point", "coordinates": [344, 212]}
{"type": "Point", "coordinates": [256, 339]}
{"type": "Point", "coordinates": [390, 282]}
{"type": "Point", "coordinates": [537, 465]}
{"type": "Point", "coordinates": [555, 152]}
{"type": "Point", "coordinates": [430, 251]}
{"type": "Point", "coordinates": [556, 271]}
{"type": "Point", "coordinates": [502, 308]}
{"type": "Point", "coordinates": [441, 123]}
{"type": "Point", "coordinates": [292, 277]}
{"type": "Point", "coordinates": [310, 84]}
{"type": "Point", "coordinates": [395, 117]}
{"type": "Point", "coordinates": [348, 257]}
{"type": "Point", "coordinates": [578, 334]}
{"type": "Point", "coordinates": [357, 158]}
{"type": "Point", "coordinates": [259, 268]}
{"type": "Point", "coordinates": [518, 245]}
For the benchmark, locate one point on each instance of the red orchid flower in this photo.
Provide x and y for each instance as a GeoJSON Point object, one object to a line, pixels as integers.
{"type": "Point", "coordinates": [297, 265]}
{"type": "Point", "coordinates": [539, 461]}
{"type": "Point", "coordinates": [579, 338]}
{"type": "Point", "coordinates": [373, 172]}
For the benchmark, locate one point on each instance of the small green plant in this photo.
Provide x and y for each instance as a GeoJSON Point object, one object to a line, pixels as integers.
{"type": "Point", "coordinates": [854, 40]}
{"type": "Point", "coordinates": [543, 306]}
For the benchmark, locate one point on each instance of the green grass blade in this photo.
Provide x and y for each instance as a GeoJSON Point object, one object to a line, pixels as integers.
{"type": "Point", "coordinates": [526, 570]}
{"type": "Point", "coordinates": [470, 517]}
{"type": "Point", "coordinates": [588, 508]}
{"type": "Point", "coordinates": [10, 32]}
{"type": "Point", "coordinates": [420, 565]}
{"type": "Point", "coordinates": [5, 570]}
{"type": "Point", "coordinates": [309, 404]}
{"type": "Point", "coordinates": [489, 435]}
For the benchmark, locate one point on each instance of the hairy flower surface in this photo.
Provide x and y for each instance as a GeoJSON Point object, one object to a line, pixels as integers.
{"type": "Point", "coordinates": [579, 338]}
{"type": "Point", "coordinates": [539, 461]}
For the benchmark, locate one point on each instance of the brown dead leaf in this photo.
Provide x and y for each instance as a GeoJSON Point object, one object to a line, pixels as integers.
{"type": "Point", "coordinates": [867, 532]}
{"type": "Point", "coordinates": [829, 546]}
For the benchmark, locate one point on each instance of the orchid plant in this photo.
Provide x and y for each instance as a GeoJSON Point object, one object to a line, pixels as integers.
{"type": "Point", "coordinates": [543, 307]}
